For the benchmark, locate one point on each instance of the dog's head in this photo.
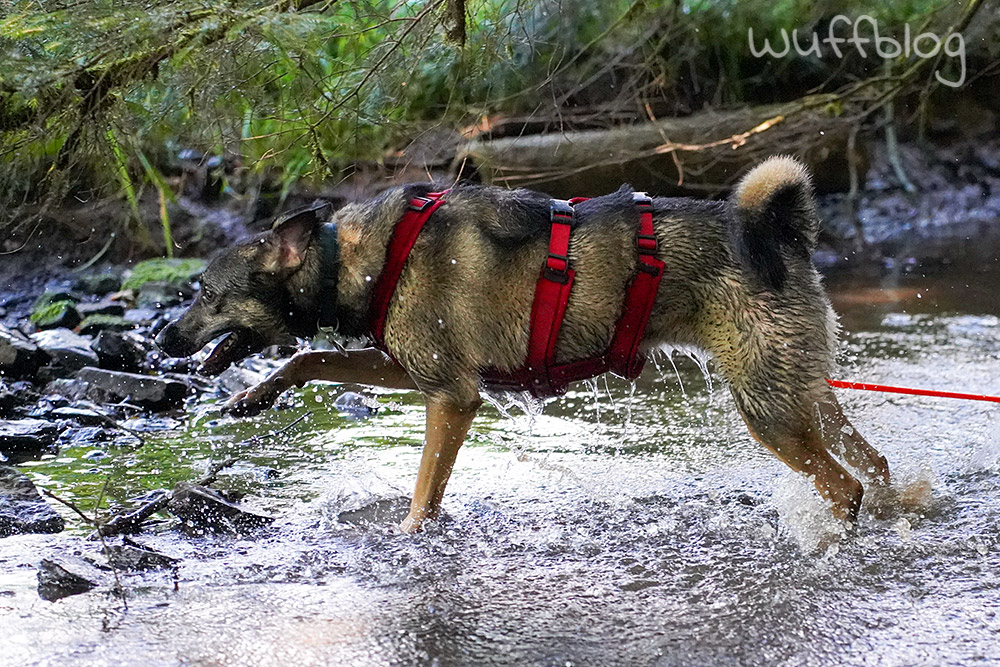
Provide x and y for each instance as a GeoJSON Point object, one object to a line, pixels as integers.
{"type": "Point", "coordinates": [245, 295]}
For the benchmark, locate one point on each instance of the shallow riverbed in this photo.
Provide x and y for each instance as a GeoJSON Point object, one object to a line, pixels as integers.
{"type": "Point", "coordinates": [618, 527]}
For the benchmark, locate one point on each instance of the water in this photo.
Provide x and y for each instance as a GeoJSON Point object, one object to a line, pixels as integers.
{"type": "Point", "coordinates": [611, 529]}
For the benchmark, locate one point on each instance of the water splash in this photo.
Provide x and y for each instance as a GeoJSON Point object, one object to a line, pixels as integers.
{"type": "Point", "coordinates": [805, 516]}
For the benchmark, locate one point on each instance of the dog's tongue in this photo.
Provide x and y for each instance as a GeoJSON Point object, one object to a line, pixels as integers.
{"type": "Point", "coordinates": [218, 358]}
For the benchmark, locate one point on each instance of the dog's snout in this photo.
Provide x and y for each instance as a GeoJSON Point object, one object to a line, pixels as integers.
{"type": "Point", "coordinates": [170, 341]}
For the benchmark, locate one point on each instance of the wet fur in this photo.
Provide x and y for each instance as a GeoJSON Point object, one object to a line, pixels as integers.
{"type": "Point", "coordinates": [739, 283]}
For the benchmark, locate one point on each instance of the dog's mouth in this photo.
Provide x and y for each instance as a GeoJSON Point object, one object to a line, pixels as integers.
{"type": "Point", "coordinates": [230, 348]}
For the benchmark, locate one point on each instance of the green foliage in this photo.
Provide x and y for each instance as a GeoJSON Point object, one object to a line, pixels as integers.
{"type": "Point", "coordinates": [176, 271]}
{"type": "Point", "coordinates": [97, 97]}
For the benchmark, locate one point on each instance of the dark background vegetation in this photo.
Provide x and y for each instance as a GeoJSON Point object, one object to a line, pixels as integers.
{"type": "Point", "coordinates": [135, 118]}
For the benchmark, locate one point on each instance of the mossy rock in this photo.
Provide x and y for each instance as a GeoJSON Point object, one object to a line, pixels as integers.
{"type": "Point", "coordinates": [94, 324]}
{"type": "Point", "coordinates": [50, 297]}
{"type": "Point", "coordinates": [58, 314]}
{"type": "Point", "coordinates": [175, 271]}
{"type": "Point", "coordinates": [99, 283]}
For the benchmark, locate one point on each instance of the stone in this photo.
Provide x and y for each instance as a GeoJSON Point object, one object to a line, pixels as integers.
{"type": "Point", "coordinates": [131, 557]}
{"type": "Point", "coordinates": [118, 351]}
{"type": "Point", "coordinates": [100, 284]}
{"type": "Point", "coordinates": [102, 307]}
{"type": "Point", "coordinates": [22, 509]}
{"type": "Point", "coordinates": [27, 439]}
{"type": "Point", "coordinates": [57, 581]}
{"type": "Point", "coordinates": [19, 356]}
{"type": "Point", "coordinates": [142, 315]}
{"type": "Point", "coordinates": [236, 379]}
{"type": "Point", "coordinates": [7, 400]}
{"type": "Point", "coordinates": [202, 508]}
{"type": "Point", "coordinates": [56, 315]}
{"type": "Point", "coordinates": [95, 324]}
{"type": "Point", "coordinates": [145, 391]}
{"type": "Point", "coordinates": [355, 405]}
{"type": "Point", "coordinates": [162, 294]}
{"type": "Point", "coordinates": [68, 351]}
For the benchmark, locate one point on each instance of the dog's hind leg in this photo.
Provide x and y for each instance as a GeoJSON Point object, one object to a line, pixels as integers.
{"type": "Point", "coordinates": [448, 422]}
{"type": "Point", "coordinates": [840, 435]}
{"type": "Point", "coordinates": [803, 449]}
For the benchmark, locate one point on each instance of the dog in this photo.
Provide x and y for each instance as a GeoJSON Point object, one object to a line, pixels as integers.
{"type": "Point", "coordinates": [739, 283]}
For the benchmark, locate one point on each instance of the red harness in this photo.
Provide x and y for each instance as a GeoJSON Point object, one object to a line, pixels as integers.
{"type": "Point", "coordinates": [540, 374]}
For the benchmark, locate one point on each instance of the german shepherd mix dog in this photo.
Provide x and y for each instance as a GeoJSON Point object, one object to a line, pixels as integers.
{"type": "Point", "coordinates": [739, 284]}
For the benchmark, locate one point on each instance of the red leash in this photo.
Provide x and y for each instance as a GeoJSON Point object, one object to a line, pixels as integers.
{"type": "Point", "coordinates": [840, 384]}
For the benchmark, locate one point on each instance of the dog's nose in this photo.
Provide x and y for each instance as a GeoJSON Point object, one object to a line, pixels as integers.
{"type": "Point", "coordinates": [167, 340]}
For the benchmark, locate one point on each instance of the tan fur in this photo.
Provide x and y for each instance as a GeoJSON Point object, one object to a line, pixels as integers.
{"type": "Point", "coordinates": [463, 302]}
{"type": "Point", "coordinates": [757, 188]}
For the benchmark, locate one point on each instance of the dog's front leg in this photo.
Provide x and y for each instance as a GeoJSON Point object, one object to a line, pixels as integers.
{"type": "Point", "coordinates": [368, 366]}
{"type": "Point", "coordinates": [447, 425]}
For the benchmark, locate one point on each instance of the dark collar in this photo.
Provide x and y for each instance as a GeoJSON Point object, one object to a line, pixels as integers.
{"type": "Point", "coordinates": [329, 271]}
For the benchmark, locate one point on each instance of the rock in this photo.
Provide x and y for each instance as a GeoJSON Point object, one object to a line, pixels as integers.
{"type": "Point", "coordinates": [55, 309]}
{"type": "Point", "coordinates": [83, 416]}
{"type": "Point", "coordinates": [22, 509]}
{"type": "Point", "coordinates": [53, 293]}
{"type": "Point", "coordinates": [26, 439]}
{"type": "Point", "coordinates": [61, 314]}
{"type": "Point", "coordinates": [236, 378]}
{"type": "Point", "coordinates": [102, 307]}
{"type": "Point", "coordinates": [86, 435]}
{"type": "Point", "coordinates": [94, 324]}
{"type": "Point", "coordinates": [7, 400]}
{"type": "Point", "coordinates": [69, 351]}
{"type": "Point", "coordinates": [131, 557]}
{"type": "Point", "coordinates": [55, 581]}
{"type": "Point", "coordinates": [141, 315]}
{"type": "Point", "coordinates": [19, 356]}
{"type": "Point", "coordinates": [162, 294]}
{"type": "Point", "coordinates": [117, 351]}
{"type": "Point", "coordinates": [201, 507]}
{"type": "Point", "coordinates": [145, 391]}
{"type": "Point", "coordinates": [100, 284]}
{"type": "Point", "coordinates": [355, 405]}
{"type": "Point", "coordinates": [178, 272]}
{"type": "Point", "coordinates": [377, 512]}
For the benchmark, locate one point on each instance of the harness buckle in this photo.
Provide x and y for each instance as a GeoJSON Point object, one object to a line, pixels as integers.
{"type": "Point", "coordinates": [418, 204]}
{"type": "Point", "coordinates": [642, 199]}
{"type": "Point", "coordinates": [555, 275]}
{"type": "Point", "coordinates": [561, 211]}
{"type": "Point", "coordinates": [647, 244]}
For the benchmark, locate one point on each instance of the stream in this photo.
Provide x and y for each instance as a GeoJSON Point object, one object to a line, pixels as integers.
{"type": "Point", "coordinates": [622, 525]}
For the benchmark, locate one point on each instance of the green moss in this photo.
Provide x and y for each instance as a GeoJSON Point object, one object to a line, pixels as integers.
{"type": "Point", "coordinates": [93, 324]}
{"type": "Point", "coordinates": [54, 313]}
{"type": "Point", "coordinates": [49, 298]}
{"type": "Point", "coordinates": [177, 271]}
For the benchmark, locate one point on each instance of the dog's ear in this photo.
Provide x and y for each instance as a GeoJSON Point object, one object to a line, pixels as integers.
{"type": "Point", "coordinates": [291, 235]}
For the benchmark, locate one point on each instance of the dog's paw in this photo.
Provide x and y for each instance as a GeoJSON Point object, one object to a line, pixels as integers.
{"type": "Point", "coordinates": [253, 401]}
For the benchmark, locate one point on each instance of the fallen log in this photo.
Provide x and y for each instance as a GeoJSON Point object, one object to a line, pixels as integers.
{"type": "Point", "coordinates": [702, 154]}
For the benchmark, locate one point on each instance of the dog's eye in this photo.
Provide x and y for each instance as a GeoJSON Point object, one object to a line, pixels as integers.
{"type": "Point", "coordinates": [208, 295]}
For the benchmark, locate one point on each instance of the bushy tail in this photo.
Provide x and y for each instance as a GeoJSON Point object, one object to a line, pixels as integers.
{"type": "Point", "coordinates": [773, 210]}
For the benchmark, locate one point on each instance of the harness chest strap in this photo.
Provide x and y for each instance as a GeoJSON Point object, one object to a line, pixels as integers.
{"type": "Point", "coordinates": [418, 211]}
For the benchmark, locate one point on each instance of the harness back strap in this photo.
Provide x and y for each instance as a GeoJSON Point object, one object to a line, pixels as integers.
{"type": "Point", "coordinates": [623, 354]}
{"type": "Point", "coordinates": [401, 243]}
{"type": "Point", "coordinates": [551, 296]}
